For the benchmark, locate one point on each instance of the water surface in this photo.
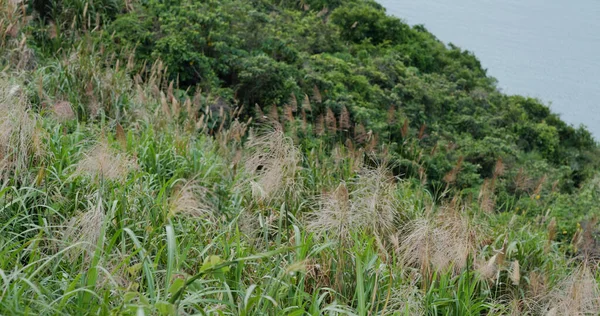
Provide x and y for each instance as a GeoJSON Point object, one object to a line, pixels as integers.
{"type": "Point", "coordinates": [548, 49]}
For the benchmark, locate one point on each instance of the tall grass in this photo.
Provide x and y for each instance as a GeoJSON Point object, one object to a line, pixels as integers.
{"type": "Point", "coordinates": [119, 197]}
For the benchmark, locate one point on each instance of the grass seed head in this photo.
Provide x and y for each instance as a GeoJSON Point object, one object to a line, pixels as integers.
{"type": "Point", "coordinates": [103, 162]}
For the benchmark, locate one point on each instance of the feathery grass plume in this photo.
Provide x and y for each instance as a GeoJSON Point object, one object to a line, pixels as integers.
{"type": "Point", "coordinates": [489, 269]}
{"type": "Point", "coordinates": [373, 141]}
{"type": "Point", "coordinates": [424, 245]}
{"type": "Point", "coordinates": [335, 216]}
{"type": "Point", "coordinates": [537, 285]}
{"type": "Point", "coordinates": [552, 229]}
{"type": "Point", "coordinates": [317, 95]}
{"type": "Point", "coordinates": [17, 130]}
{"type": "Point", "coordinates": [273, 114]}
{"type": "Point", "coordinates": [237, 130]}
{"type": "Point", "coordinates": [349, 145]}
{"type": "Point", "coordinates": [306, 103]}
{"type": "Point", "coordinates": [539, 186]}
{"type": "Point", "coordinates": [404, 129]}
{"type": "Point", "coordinates": [320, 126]}
{"type": "Point", "coordinates": [450, 177]}
{"type": "Point", "coordinates": [522, 183]}
{"type": "Point", "coordinates": [330, 121]}
{"type": "Point", "coordinates": [164, 105]}
{"type": "Point", "coordinates": [120, 136]}
{"type": "Point", "coordinates": [191, 200]}
{"type": "Point", "coordinates": [258, 113]}
{"type": "Point", "coordinates": [422, 175]}
{"type": "Point", "coordinates": [293, 102]}
{"type": "Point", "coordinates": [85, 228]}
{"type": "Point", "coordinates": [434, 149]}
{"type": "Point", "coordinates": [375, 198]}
{"type": "Point", "coordinates": [499, 168]}
{"type": "Point", "coordinates": [344, 119]}
{"type": "Point", "coordinates": [555, 186]}
{"type": "Point", "coordinates": [304, 121]}
{"type": "Point", "coordinates": [586, 244]}
{"type": "Point", "coordinates": [391, 115]}
{"type": "Point", "coordinates": [63, 111]}
{"type": "Point", "coordinates": [515, 274]}
{"type": "Point", "coordinates": [422, 132]}
{"type": "Point", "coordinates": [577, 294]}
{"type": "Point", "coordinates": [288, 114]}
{"type": "Point", "coordinates": [440, 241]}
{"type": "Point", "coordinates": [323, 11]}
{"type": "Point", "coordinates": [487, 201]}
{"type": "Point", "coordinates": [370, 206]}
{"type": "Point", "coordinates": [102, 162]}
{"type": "Point", "coordinates": [360, 134]}
{"type": "Point", "coordinates": [175, 107]}
{"type": "Point", "coordinates": [272, 163]}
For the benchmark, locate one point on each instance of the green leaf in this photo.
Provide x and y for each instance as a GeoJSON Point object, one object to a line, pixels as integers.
{"type": "Point", "coordinates": [165, 308]}
{"type": "Point", "coordinates": [176, 286]}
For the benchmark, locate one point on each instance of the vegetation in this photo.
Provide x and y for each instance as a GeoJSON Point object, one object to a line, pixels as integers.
{"type": "Point", "coordinates": [229, 157]}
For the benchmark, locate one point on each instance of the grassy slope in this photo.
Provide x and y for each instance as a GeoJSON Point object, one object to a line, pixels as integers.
{"type": "Point", "coordinates": [120, 195]}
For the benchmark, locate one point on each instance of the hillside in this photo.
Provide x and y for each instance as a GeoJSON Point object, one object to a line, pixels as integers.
{"type": "Point", "coordinates": [306, 157]}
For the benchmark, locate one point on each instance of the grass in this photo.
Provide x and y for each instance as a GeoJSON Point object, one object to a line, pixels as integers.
{"type": "Point", "coordinates": [116, 199]}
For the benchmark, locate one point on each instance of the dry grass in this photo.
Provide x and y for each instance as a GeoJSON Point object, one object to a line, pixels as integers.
{"type": "Point", "coordinates": [85, 229]}
{"type": "Point", "coordinates": [190, 199]}
{"type": "Point", "coordinates": [272, 162]}
{"type": "Point", "coordinates": [440, 242]}
{"type": "Point", "coordinates": [63, 111]}
{"type": "Point", "coordinates": [104, 163]}
{"type": "Point", "coordinates": [371, 205]}
{"type": "Point", "coordinates": [335, 216]}
{"type": "Point", "coordinates": [20, 141]}
{"type": "Point", "coordinates": [578, 294]}
{"type": "Point", "coordinates": [489, 270]}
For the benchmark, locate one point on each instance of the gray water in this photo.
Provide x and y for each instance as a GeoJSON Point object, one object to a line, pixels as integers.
{"type": "Point", "coordinates": [548, 49]}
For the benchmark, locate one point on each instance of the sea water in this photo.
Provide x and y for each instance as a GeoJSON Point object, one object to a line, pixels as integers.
{"type": "Point", "coordinates": [547, 49]}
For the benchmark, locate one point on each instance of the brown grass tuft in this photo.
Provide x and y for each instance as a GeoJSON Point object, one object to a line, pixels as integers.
{"type": "Point", "coordinates": [317, 95]}
{"type": "Point", "coordinates": [522, 183]}
{"type": "Point", "coordinates": [85, 229]}
{"type": "Point", "coordinates": [404, 129]}
{"type": "Point", "coordinates": [369, 206]}
{"type": "Point", "coordinates": [450, 177]}
{"type": "Point", "coordinates": [288, 113]}
{"type": "Point", "coordinates": [391, 115]}
{"type": "Point", "coordinates": [487, 199]}
{"type": "Point", "coordinates": [439, 242]}
{"type": "Point", "coordinates": [103, 162]}
{"type": "Point", "coordinates": [360, 134]}
{"type": "Point", "coordinates": [63, 111]}
{"type": "Point", "coordinates": [320, 126]}
{"type": "Point", "coordinates": [421, 134]}
{"type": "Point", "coordinates": [344, 119]}
{"type": "Point", "coordinates": [515, 273]}
{"type": "Point", "coordinates": [20, 139]}
{"type": "Point", "coordinates": [489, 270]}
{"type": "Point", "coordinates": [272, 163]}
{"type": "Point", "coordinates": [273, 114]}
{"type": "Point", "coordinates": [306, 104]}
{"type": "Point", "coordinates": [330, 121]}
{"type": "Point", "coordinates": [191, 200]}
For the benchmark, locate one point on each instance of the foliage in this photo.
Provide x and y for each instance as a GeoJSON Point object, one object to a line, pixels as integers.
{"type": "Point", "coordinates": [278, 157]}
